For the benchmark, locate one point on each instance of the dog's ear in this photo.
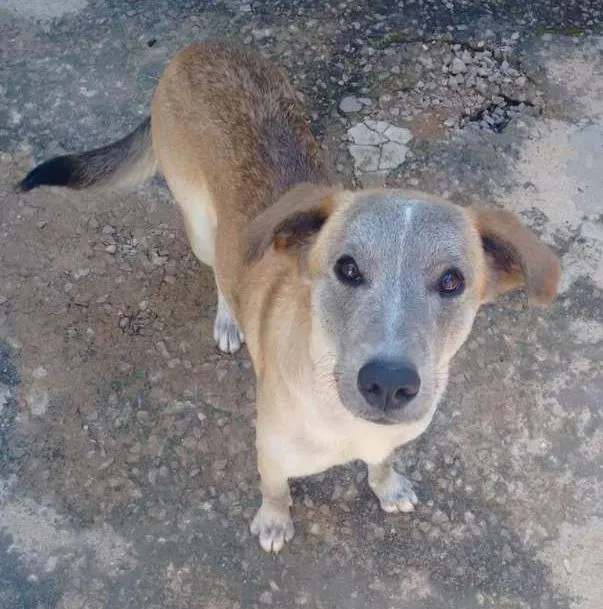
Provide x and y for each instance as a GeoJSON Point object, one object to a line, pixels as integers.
{"type": "Point", "coordinates": [293, 221]}
{"type": "Point", "coordinates": [515, 258]}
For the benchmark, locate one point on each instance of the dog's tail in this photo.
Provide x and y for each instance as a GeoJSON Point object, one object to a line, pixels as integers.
{"type": "Point", "coordinates": [124, 163]}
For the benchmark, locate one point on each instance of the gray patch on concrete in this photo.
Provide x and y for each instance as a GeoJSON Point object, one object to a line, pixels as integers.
{"type": "Point", "coordinates": [560, 172]}
{"type": "Point", "coordinates": [8, 371]}
{"type": "Point", "coordinates": [44, 538]}
{"type": "Point", "coordinates": [587, 168]}
{"type": "Point", "coordinates": [576, 557]}
{"type": "Point", "coordinates": [61, 565]}
{"type": "Point", "coordinates": [20, 588]}
{"type": "Point", "coordinates": [44, 9]}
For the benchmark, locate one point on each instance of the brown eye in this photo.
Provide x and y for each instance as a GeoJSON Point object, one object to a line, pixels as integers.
{"type": "Point", "coordinates": [347, 271]}
{"type": "Point", "coordinates": [451, 283]}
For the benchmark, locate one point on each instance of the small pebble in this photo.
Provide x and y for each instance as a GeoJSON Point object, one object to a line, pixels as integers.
{"type": "Point", "coordinates": [350, 104]}
{"type": "Point", "coordinates": [266, 597]}
{"type": "Point", "coordinates": [40, 372]}
{"type": "Point", "coordinates": [457, 66]}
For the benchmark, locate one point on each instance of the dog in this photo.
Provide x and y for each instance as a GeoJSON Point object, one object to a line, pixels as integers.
{"type": "Point", "coordinates": [352, 303]}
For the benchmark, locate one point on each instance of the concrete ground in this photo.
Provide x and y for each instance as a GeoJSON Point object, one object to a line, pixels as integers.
{"type": "Point", "coordinates": [127, 475]}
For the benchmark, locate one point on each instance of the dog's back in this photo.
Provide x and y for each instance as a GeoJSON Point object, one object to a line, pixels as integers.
{"type": "Point", "coordinates": [231, 138]}
{"type": "Point", "coordinates": [234, 114]}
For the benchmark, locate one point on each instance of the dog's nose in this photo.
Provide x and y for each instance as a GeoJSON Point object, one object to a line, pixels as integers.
{"type": "Point", "coordinates": [388, 385]}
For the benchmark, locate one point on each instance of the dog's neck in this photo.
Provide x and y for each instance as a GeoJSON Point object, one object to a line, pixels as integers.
{"type": "Point", "coordinates": [275, 313]}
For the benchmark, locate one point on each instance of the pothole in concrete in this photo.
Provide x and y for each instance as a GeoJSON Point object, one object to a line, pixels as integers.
{"type": "Point", "coordinates": [497, 115]}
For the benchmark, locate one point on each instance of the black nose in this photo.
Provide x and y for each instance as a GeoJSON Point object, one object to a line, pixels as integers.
{"type": "Point", "coordinates": [388, 385]}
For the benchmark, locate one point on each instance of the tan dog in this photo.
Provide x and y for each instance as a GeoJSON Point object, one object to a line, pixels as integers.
{"type": "Point", "coordinates": [352, 303]}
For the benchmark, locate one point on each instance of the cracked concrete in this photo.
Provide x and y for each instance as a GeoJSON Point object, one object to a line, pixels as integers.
{"type": "Point", "coordinates": [127, 476]}
{"type": "Point", "coordinates": [378, 146]}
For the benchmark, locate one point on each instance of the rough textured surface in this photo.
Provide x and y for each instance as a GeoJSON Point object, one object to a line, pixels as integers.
{"type": "Point", "coordinates": [127, 474]}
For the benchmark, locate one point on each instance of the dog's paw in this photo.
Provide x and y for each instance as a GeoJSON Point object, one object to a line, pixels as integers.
{"type": "Point", "coordinates": [273, 526]}
{"type": "Point", "coordinates": [227, 334]}
{"type": "Point", "coordinates": [396, 495]}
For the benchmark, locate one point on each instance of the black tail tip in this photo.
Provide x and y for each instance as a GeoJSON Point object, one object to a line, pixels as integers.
{"type": "Point", "coordinates": [55, 172]}
{"type": "Point", "coordinates": [27, 183]}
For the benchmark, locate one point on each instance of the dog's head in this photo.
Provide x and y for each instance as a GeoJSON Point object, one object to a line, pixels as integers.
{"type": "Point", "coordinates": [396, 280]}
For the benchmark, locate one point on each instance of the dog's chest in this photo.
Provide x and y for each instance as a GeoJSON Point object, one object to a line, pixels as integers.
{"type": "Point", "coordinates": [351, 438]}
{"type": "Point", "coordinates": [322, 434]}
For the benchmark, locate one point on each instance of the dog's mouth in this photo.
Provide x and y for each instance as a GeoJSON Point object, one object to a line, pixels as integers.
{"type": "Point", "coordinates": [413, 413]}
{"type": "Point", "coordinates": [384, 418]}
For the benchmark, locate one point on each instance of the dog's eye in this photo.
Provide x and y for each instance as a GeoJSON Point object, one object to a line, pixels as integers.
{"type": "Point", "coordinates": [451, 283]}
{"type": "Point", "coordinates": [347, 271]}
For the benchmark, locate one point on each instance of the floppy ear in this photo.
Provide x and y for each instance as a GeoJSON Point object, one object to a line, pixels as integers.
{"type": "Point", "coordinates": [292, 221]}
{"type": "Point", "coordinates": [515, 257]}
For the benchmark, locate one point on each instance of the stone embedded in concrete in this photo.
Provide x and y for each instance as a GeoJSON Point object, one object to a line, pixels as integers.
{"type": "Point", "coordinates": [392, 155]}
{"type": "Point", "coordinates": [378, 126]}
{"type": "Point", "coordinates": [378, 145]}
{"type": "Point", "coordinates": [366, 158]}
{"type": "Point", "coordinates": [457, 66]}
{"type": "Point", "coordinates": [362, 135]}
{"type": "Point", "coordinates": [398, 134]}
{"type": "Point", "coordinates": [38, 401]}
{"type": "Point", "coordinates": [350, 104]}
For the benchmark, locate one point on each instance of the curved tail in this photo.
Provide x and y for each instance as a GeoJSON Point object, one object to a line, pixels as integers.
{"type": "Point", "coordinates": [124, 163]}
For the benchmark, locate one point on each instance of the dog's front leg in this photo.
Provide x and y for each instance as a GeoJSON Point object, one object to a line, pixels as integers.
{"type": "Point", "coordinates": [272, 523]}
{"type": "Point", "coordinates": [393, 490]}
{"type": "Point", "coordinates": [227, 334]}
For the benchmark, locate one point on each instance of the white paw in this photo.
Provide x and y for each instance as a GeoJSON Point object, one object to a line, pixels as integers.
{"type": "Point", "coordinates": [273, 526]}
{"type": "Point", "coordinates": [397, 494]}
{"type": "Point", "coordinates": [227, 334]}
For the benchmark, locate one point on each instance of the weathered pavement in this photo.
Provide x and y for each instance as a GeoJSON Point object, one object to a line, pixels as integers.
{"type": "Point", "coordinates": [127, 474]}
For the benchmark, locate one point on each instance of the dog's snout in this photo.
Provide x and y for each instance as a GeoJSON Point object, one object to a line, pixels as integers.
{"type": "Point", "coordinates": [388, 385]}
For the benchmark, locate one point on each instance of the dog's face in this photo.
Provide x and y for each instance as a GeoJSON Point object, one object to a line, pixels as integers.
{"type": "Point", "coordinates": [396, 285]}
{"type": "Point", "coordinates": [396, 280]}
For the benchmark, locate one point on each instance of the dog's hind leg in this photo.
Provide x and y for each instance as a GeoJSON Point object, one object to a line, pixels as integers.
{"type": "Point", "coordinates": [200, 223]}
{"type": "Point", "coordinates": [393, 490]}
